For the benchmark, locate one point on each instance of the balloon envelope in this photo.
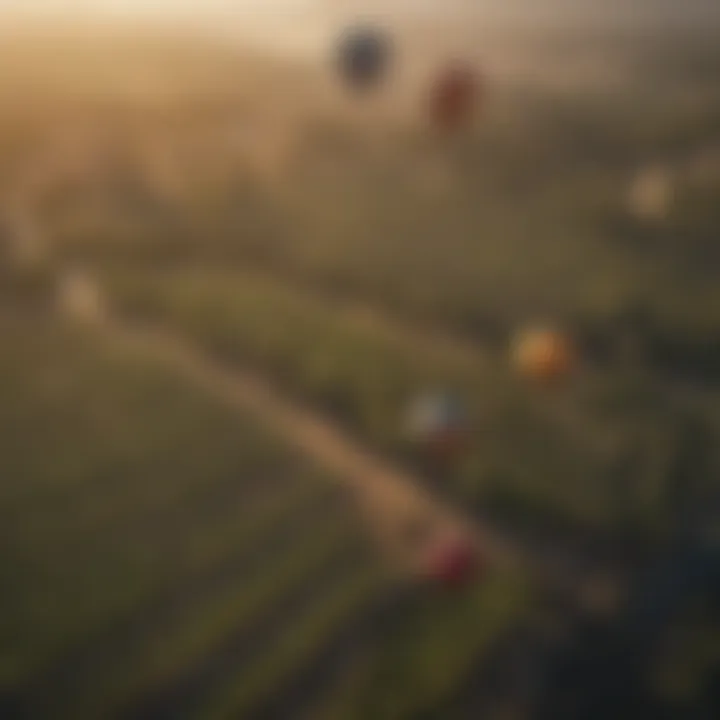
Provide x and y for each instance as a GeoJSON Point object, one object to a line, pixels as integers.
{"type": "Point", "coordinates": [431, 415]}
{"type": "Point", "coordinates": [452, 562]}
{"type": "Point", "coordinates": [363, 56]}
{"type": "Point", "coordinates": [438, 425]}
{"type": "Point", "coordinates": [544, 355]}
{"type": "Point", "coordinates": [453, 96]}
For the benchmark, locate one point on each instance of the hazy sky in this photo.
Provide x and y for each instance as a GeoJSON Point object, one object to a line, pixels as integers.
{"type": "Point", "coordinates": [287, 12]}
{"type": "Point", "coordinates": [153, 6]}
{"type": "Point", "coordinates": [493, 7]}
{"type": "Point", "coordinates": [308, 26]}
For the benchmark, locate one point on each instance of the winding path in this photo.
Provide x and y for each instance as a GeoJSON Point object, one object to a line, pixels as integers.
{"type": "Point", "coordinates": [390, 499]}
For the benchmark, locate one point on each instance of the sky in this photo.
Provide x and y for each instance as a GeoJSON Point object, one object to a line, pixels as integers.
{"type": "Point", "coordinates": [304, 15]}
{"type": "Point", "coordinates": [152, 6]}
{"type": "Point", "coordinates": [194, 8]}
{"type": "Point", "coordinates": [283, 21]}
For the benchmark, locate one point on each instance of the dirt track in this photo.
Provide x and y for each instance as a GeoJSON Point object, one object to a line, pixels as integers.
{"type": "Point", "coordinates": [388, 497]}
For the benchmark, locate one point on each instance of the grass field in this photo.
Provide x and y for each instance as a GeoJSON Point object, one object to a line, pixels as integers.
{"type": "Point", "coordinates": [161, 556]}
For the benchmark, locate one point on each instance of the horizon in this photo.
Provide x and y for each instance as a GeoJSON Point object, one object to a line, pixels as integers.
{"type": "Point", "coordinates": [488, 10]}
{"type": "Point", "coordinates": [306, 28]}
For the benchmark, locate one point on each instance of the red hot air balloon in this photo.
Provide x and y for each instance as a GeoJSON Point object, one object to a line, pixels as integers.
{"type": "Point", "coordinates": [453, 96]}
{"type": "Point", "coordinates": [453, 562]}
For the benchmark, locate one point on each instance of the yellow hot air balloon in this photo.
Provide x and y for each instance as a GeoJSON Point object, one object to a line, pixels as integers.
{"type": "Point", "coordinates": [543, 354]}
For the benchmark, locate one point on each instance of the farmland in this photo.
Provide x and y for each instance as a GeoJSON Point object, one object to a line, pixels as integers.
{"type": "Point", "coordinates": [163, 555]}
{"type": "Point", "coordinates": [139, 578]}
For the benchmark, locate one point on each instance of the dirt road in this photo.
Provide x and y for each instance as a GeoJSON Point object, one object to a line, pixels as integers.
{"type": "Point", "coordinates": [389, 498]}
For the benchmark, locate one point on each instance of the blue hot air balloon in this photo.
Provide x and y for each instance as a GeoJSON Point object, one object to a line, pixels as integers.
{"type": "Point", "coordinates": [438, 422]}
{"type": "Point", "coordinates": [364, 53]}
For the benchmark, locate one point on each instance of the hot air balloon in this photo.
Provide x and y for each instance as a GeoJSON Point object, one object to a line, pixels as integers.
{"type": "Point", "coordinates": [363, 56]}
{"type": "Point", "coordinates": [451, 561]}
{"type": "Point", "coordinates": [542, 354]}
{"type": "Point", "coordinates": [438, 423]}
{"type": "Point", "coordinates": [454, 95]}
{"type": "Point", "coordinates": [650, 195]}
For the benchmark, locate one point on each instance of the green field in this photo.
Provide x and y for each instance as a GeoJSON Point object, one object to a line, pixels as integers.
{"type": "Point", "coordinates": [159, 552]}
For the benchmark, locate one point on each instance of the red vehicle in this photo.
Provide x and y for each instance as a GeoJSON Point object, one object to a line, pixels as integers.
{"type": "Point", "coordinates": [454, 96]}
